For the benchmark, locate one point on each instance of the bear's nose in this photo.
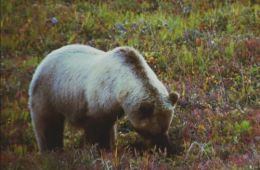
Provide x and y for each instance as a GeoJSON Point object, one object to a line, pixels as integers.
{"type": "Point", "coordinates": [164, 128]}
{"type": "Point", "coordinates": [164, 122]}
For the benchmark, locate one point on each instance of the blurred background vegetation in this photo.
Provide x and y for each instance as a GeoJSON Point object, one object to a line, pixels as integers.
{"type": "Point", "coordinates": [208, 51]}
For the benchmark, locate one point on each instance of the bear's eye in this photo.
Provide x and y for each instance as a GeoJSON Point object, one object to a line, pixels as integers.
{"type": "Point", "coordinates": [146, 109]}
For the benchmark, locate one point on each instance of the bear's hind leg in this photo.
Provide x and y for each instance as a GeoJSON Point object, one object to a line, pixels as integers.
{"type": "Point", "coordinates": [49, 131]}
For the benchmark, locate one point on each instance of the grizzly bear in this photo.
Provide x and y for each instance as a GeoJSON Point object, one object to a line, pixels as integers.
{"type": "Point", "coordinates": [91, 89]}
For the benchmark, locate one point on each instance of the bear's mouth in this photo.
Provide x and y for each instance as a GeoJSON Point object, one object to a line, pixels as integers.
{"type": "Point", "coordinates": [162, 140]}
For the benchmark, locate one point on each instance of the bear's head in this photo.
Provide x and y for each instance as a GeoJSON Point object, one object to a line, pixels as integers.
{"type": "Point", "coordinates": [145, 100]}
{"type": "Point", "coordinates": [152, 118]}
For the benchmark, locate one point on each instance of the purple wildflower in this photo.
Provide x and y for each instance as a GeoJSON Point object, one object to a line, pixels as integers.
{"type": "Point", "coordinates": [54, 20]}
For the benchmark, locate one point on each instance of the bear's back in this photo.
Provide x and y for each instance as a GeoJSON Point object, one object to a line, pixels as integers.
{"type": "Point", "coordinates": [70, 57]}
{"type": "Point", "coordinates": [67, 60]}
{"type": "Point", "coordinates": [62, 73]}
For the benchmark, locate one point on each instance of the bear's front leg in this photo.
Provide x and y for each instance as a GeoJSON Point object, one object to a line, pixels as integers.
{"type": "Point", "coordinates": [104, 136]}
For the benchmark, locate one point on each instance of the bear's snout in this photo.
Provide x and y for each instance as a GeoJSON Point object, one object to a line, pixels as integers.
{"type": "Point", "coordinates": [162, 141]}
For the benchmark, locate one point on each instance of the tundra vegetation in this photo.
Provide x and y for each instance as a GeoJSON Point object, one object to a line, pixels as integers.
{"type": "Point", "coordinates": [208, 51]}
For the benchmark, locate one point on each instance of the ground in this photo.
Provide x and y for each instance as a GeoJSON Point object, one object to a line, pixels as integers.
{"type": "Point", "coordinates": [208, 51]}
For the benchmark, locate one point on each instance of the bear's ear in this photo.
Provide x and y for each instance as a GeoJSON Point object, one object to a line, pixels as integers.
{"type": "Point", "coordinates": [146, 109]}
{"type": "Point", "coordinates": [174, 97]}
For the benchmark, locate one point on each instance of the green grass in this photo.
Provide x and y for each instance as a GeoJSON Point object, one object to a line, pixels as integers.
{"type": "Point", "coordinates": [208, 51]}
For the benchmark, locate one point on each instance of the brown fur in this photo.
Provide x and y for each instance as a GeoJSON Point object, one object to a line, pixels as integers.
{"type": "Point", "coordinates": [49, 111]}
{"type": "Point", "coordinates": [132, 59]}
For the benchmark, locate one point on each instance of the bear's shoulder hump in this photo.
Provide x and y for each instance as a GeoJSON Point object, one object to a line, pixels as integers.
{"type": "Point", "coordinates": [129, 54]}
